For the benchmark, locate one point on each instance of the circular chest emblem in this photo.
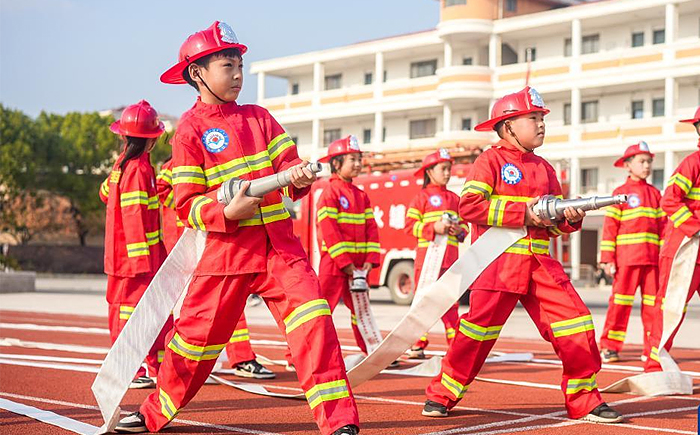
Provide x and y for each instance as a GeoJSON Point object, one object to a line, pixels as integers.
{"type": "Point", "coordinates": [633, 201]}
{"type": "Point", "coordinates": [511, 174]}
{"type": "Point", "coordinates": [435, 200]}
{"type": "Point", "coordinates": [215, 140]}
{"type": "Point", "coordinates": [344, 202]}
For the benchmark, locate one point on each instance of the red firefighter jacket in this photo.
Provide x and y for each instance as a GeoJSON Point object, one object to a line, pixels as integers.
{"type": "Point", "coordinates": [633, 232]}
{"type": "Point", "coordinates": [133, 239]}
{"type": "Point", "coordinates": [681, 202]}
{"type": "Point", "coordinates": [347, 230]}
{"type": "Point", "coordinates": [171, 224]}
{"type": "Point", "coordinates": [502, 180]}
{"type": "Point", "coordinates": [426, 209]}
{"type": "Point", "coordinates": [214, 143]}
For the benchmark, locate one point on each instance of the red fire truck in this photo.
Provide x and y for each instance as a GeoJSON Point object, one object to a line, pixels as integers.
{"type": "Point", "coordinates": [390, 194]}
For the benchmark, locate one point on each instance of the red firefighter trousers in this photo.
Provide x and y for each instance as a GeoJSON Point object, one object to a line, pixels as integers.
{"type": "Point", "coordinates": [450, 320]}
{"type": "Point", "coordinates": [652, 363]}
{"type": "Point", "coordinates": [238, 349]}
{"type": "Point", "coordinates": [333, 288]}
{"type": "Point", "coordinates": [627, 279]}
{"type": "Point", "coordinates": [123, 294]}
{"type": "Point", "coordinates": [562, 319]}
{"type": "Point", "coordinates": [208, 317]}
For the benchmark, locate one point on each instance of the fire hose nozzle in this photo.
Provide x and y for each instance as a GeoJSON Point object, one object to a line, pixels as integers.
{"type": "Point", "coordinates": [550, 209]}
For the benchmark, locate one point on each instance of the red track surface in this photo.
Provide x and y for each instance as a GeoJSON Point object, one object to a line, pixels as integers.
{"type": "Point", "coordinates": [388, 404]}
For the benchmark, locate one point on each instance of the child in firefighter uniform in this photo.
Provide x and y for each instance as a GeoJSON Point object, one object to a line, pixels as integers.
{"type": "Point", "coordinates": [250, 245]}
{"type": "Point", "coordinates": [505, 182]}
{"type": "Point", "coordinates": [632, 235]}
{"type": "Point", "coordinates": [681, 202]}
{"type": "Point", "coordinates": [348, 233]}
{"type": "Point", "coordinates": [239, 351]}
{"type": "Point", "coordinates": [133, 247]}
{"type": "Point", "coordinates": [424, 222]}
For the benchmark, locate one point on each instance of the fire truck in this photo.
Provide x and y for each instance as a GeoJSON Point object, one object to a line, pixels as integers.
{"type": "Point", "coordinates": [390, 193]}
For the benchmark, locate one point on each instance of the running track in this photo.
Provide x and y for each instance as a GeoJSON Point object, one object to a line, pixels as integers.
{"type": "Point", "coordinates": [36, 373]}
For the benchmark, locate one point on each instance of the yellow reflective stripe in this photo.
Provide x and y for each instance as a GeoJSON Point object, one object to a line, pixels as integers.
{"type": "Point", "coordinates": [418, 229]}
{"type": "Point", "coordinates": [305, 312]}
{"type": "Point", "coordinates": [167, 407]}
{"type": "Point", "coordinates": [694, 194]}
{"type": "Point", "coordinates": [161, 356]}
{"type": "Point", "coordinates": [478, 188]}
{"type": "Point", "coordinates": [554, 231]}
{"type": "Point", "coordinates": [114, 176]}
{"type": "Point", "coordinates": [195, 217]}
{"type": "Point", "coordinates": [613, 212]}
{"type": "Point", "coordinates": [639, 212]}
{"type": "Point", "coordinates": [636, 238]}
{"type": "Point", "coordinates": [178, 222]}
{"type": "Point", "coordinates": [414, 213]}
{"type": "Point", "coordinates": [125, 312]}
{"type": "Point", "coordinates": [188, 174]}
{"type": "Point", "coordinates": [326, 392]}
{"type": "Point", "coordinates": [497, 209]}
{"type": "Point", "coordinates": [573, 386]}
{"type": "Point", "coordinates": [136, 197]}
{"type": "Point", "coordinates": [452, 241]}
{"type": "Point", "coordinates": [649, 300]}
{"type": "Point", "coordinates": [369, 213]}
{"type": "Point", "coordinates": [239, 335]}
{"type": "Point", "coordinates": [521, 247]}
{"type": "Point", "coordinates": [455, 387]}
{"type": "Point", "coordinates": [539, 246]}
{"type": "Point", "coordinates": [607, 245]}
{"type": "Point", "coordinates": [273, 213]}
{"type": "Point", "coordinates": [279, 144]}
{"type": "Point", "coordinates": [572, 326]}
{"type": "Point", "coordinates": [623, 299]}
{"type": "Point", "coordinates": [170, 200]}
{"type": "Point", "coordinates": [237, 167]}
{"type": "Point", "coordinates": [165, 175]}
{"type": "Point", "coordinates": [104, 187]}
{"type": "Point", "coordinates": [450, 333]}
{"type": "Point", "coordinates": [137, 249]}
{"type": "Point", "coordinates": [511, 198]}
{"type": "Point", "coordinates": [528, 246]}
{"type": "Point", "coordinates": [154, 237]}
{"type": "Point", "coordinates": [479, 333]}
{"type": "Point", "coordinates": [326, 212]}
{"type": "Point", "coordinates": [353, 319]}
{"type": "Point", "coordinates": [351, 247]}
{"type": "Point", "coordinates": [654, 354]}
{"type": "Point", "coordinates": [681, 181]}
{"type": "Point", "coordinates": [680, 216]}
{"type": "Point", "coordinates": [193, 352]}
{"type": "Point", "coordinates": [617, 335]}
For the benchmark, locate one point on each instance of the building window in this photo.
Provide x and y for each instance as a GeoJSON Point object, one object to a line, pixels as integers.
{"type": "Point", "coordinates": [367, 135]}
{"type": "Point", "coordinates": [423, 68]}
{"type": "Point", "coordinates": [530, 54]}
{"type": "Point", "coordinates": [567, 47]}
{"type": "Point", "coordinates": [658, 107]}
{"type": "Point", "coordinates": [466, 123]}
{"type": "Point", "coordinates": [589, 111]}
{"type": "Point", "coordinates": [657, 178]}
{"type": "Point", "coordinates": [368, 78]}
{"type": "Point", "coordinates": [637, 109]}
{"type": "Point", "coordinates": [590, 43]}
{"type": "Point", "coordinates": [383, 134]}
{"type": "Point", "coordinates": [333, 82]}
{"type": "Point", "coordinates": [295, 88]}
{"type": "Point", "coordinates": [511, 5]}
{"type": "Point", "coordinates": [330, 136]}
{"type": "Point", "coordinates": [589, 180]}
{"type": "Point", "coordinates": [659, 36]}
{"type": "Point", "coordinates": [567, 113]}
{"type": "Point", "coordinates": [467, 61]}
{"type": "Point", "coordinates": [637, 39]}
{"type": "Point", "coordinates": [449, 3]}
{"type": "Point", "coordinates": [421, 128]}
{"type": "Point", "coordinates": [385, 76]}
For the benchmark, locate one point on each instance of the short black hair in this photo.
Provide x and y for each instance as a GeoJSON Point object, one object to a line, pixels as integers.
{"type": "Point", "coordinates": [340, 159]}
{"type": "Point", "coordinates": [204, 63]}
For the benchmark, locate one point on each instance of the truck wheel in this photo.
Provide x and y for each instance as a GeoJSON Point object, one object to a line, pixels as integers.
{"type": "Point", "coordinates": [400, 283]}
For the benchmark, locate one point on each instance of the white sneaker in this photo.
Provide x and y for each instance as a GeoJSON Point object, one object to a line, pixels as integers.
{"type": "Point", "coordinates": [142, 382]}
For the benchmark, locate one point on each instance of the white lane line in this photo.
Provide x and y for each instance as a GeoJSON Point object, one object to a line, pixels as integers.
{"type": "Point", "coordinates": [611, 367]}
{"type": "Point", "coordinates": [69, 367]}
{"type": "Point", "coordinates": [48, 417]}
{"type": "Point", "coordinates": [519, 383]}
{"type": "Point", "coordinates": [53, 328]}
{"type": "Point", "coordinates": [50, 358]}
{"type": "Point", "coordinates": [178, 420]}
{"type": "Point", "coordinates": [15, 342]}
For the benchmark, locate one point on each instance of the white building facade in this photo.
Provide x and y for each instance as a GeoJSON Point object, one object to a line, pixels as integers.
{"type": "Point", "coordinates": [612, 73]}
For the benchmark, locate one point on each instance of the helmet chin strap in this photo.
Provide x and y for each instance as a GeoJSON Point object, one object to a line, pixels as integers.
{"type": "Point", "coordinates": [512, 133]}
{"type": "Point", "coordinates": [208, 88]}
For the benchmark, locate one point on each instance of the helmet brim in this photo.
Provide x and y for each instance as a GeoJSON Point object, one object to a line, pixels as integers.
{"type": "Point", "coordinates": [174, 75]}
{"type": "Point", "coordinates": [490, 124]}
{"type": "Point", "coordinates": [115, 128]}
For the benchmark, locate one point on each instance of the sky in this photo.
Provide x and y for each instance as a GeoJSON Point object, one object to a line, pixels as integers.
{"type": "Point", "coordinates": [89, 55]}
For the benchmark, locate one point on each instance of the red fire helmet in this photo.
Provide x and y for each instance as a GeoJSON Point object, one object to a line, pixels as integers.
{"type": "Point", "coordinates": [432, 159]}
{"type": "Point", "coordinates": [693, 120]}
{"type": "Point", "coordinates": [522, 102]}
{"type": "Point", "coordinates": [631, 151]}
{"type": "Point", "coordinates": [217, 37]}
{"type": "Point", "coordinates": [138, 120]}
{"type": "Point", "coordinates": [346, 145]}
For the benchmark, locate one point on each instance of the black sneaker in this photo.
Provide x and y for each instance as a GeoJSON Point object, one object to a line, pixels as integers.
{"type": "Point", "coordinates": [142, 382]}
{"type": "Point", "coordinates": [350, 429]}
{"type": "Point", "coordinates": [434, 409]}
{"type": "Point", "coordinates": [603, 414]}
{"type": "Point", "coordinates": [252, 369]}
{"type": "Point", "coordinates": [609, 356]}
{"type": "Point", "coordinates": [132, 423]}
{"type": "Point", "coordinates": [415, 353]}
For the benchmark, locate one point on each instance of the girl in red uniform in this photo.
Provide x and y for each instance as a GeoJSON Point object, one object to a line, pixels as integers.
{"type": "Point", "coordinates": [133, 239]}
{"type": "Point", "coordinates": [424, 221]}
